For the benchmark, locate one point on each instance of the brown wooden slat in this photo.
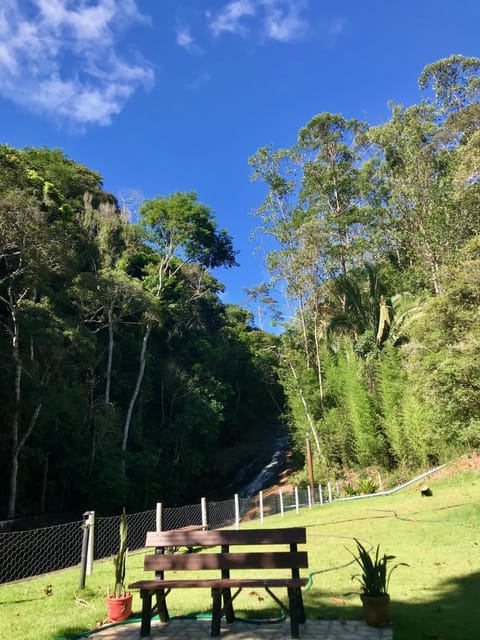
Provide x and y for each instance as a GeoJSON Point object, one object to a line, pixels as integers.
{"type": "Point", "coordinates": [252, 560]}
{"type": "Point", "coordinates": [220, 583]}
{"type": "Point", "coordinates": [290, 535]}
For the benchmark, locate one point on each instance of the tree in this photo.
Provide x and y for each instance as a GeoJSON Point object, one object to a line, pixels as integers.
{"type": "Point", "coordinates": [31, 252]}
{"type": "Point", "coordinates": [331, 187]}
{"type": "Point", "coordinates": [180, 230]}
{"type": "Point", "coordinates": [418, 212]}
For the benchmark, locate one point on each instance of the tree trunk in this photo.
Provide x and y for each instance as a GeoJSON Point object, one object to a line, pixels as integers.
{"type": "Point", "coordinates": [318, 358]}
{"type": "Point", "coordinates": [12, 501]}
{"type": "Point", "coordinates": [17, 384]}
{"type": "Point", "coordinates": [109, 358]}
{"type": "Point", "coordinates": [307, 412]}
{"type": "Point", "coordinates": [133, 399]}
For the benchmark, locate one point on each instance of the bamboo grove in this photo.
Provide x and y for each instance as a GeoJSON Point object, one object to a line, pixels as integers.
{"type": "Point", "coordinates": [374, 252]}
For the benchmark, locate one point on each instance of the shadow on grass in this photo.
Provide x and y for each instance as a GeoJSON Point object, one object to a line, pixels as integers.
{"type": "Point", "coordinates": [449, 612]}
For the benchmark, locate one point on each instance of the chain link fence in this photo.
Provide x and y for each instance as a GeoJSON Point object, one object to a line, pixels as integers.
{"type": "Point", "coordinates": [25, 554]}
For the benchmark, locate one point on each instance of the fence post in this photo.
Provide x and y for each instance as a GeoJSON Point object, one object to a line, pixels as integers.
{"type": "Point", "coordinates": [90, 523]}
{"type": "Point", "coordinates": [320, 493]}
{"type": "Point", "coordinates": [83, 560]}
{"type": "Point", "coordinates": [260, 497]}
{"type": "Point", "coordinates": [330, 499]}
{"type": "Point", "coordinates": [237, 511]}
{"type": "Point", "coordinates": [309, 495]}
{"type": "Point", "coordinates": [296, 500]}
{"type": "Point", "coordinates": [159, 517]}
{"type": "Point", "coordinates": [204, 513]}
{"type": "Point", "coordinates": [380, 483]}
{"type": "Point", "coordinates": [281, 502]}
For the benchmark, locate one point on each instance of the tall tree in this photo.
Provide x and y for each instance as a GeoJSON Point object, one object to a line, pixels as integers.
{"type": "Point", "coordinates": [180, 230]}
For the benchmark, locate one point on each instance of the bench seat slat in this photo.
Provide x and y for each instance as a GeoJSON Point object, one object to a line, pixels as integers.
{"type": "Point", "coordinates": [252, 560]}
{"type": "Point", "coordinates": [219, 583]}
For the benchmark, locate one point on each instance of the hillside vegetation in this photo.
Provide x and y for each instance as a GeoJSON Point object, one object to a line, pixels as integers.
{"type": "Point", "coordinates": [124, 376]}
{"type": "Point", "coordinates": [374, 241]}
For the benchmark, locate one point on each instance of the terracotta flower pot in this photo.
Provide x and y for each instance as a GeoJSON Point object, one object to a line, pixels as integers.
{"type": "Point", "coordinates": [119, 609]}
{"type": "Point", "coordinates": [376, 610]}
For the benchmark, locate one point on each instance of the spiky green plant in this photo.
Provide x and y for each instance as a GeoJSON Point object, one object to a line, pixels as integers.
{"type": "Point", "coordinates": [375, 578]}
{"type": "Point", "coordinates": [120, 559]}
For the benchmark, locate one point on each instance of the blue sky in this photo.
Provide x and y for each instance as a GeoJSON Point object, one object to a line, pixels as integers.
{"type": "Point", "coordinates": [164, 95]}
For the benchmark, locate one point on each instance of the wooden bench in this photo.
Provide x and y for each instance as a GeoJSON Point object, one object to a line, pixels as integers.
{"type": "Point", "coordinates": [224, 561]}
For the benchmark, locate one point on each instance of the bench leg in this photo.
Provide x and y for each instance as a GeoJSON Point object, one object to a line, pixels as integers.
{"type": "Point", "coordinates": [162, 605]}
{"type": "Point", "coordinates": [216, 612]}
{"type": "Point", "coordinates": [301, 610]}
{"type": "Point", "coordinates": [146, 613]}
{"type": "Point", "coordinates": [294, 613]}
{"type": "Point", "coordinates": [227, 605]}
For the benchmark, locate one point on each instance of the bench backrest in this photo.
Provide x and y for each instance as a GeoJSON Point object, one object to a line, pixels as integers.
{"type": "Point", "coordinates": [225, 558]}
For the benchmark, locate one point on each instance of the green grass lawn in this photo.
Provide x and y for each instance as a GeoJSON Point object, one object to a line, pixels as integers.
{"type": "Point", "coordinates": [436, 596]}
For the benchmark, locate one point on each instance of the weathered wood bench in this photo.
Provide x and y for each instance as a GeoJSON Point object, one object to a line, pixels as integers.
{"type": "Point", "coordinates": [225, 561]}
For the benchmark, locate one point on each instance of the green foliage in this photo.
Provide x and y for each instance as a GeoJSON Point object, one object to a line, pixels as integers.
{"type": "Point", "coordinates": [375, 577]}
{"type": "Point", "coordinates": [120, 559]}
{"type": "Point", "coordinates": [391, 384]}
{"type": "Point", "coordinates": [367, 486]}
{"type": "Point", "coordinates": [369, 229]}
{"type": "Point", "coordinates": [78, 286]}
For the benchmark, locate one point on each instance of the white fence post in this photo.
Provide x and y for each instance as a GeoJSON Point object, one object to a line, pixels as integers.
{"type": "Point", "coordinates": [237, 511]}
{"type": "Point", "coordinates": [297, 509]}
{"type": "Point", "coordinates": [204, 513]}
{"type": "Point", "coordinates": [282, 510]}
{"type": "Point", "coordinates": [320, 493]}
{"type": "Point", "coordinates": [309, 494]}
{"type": "Point", "coordinates": [380, 483]}
{"type": "Point", "coordinates": [159, 517]}
{"type": "Point", "coordinates": [90, 523]}
{"type": "Point", "coordinates": [330, 499]}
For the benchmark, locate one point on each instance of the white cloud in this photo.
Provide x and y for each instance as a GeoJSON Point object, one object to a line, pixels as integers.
{"type": "Point", "coordinates": [280, 20]}
{"type": "Point", "coordinates": [185, 40]}
{"type": "Point", "coordinates": [230, 18]}
{"type": "Point", "coordinates": [59, 58]}
{"type": "Point", "coordinates": [283, 20]}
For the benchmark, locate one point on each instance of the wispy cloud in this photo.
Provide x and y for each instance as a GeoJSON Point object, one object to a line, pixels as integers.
{"type": "Point", "coordinates": [284, 20]}
{"type": "Point", "coordinates": [185, 40]}
{"type": "Point", "coordinates": [59, 58]}
{"type": "Point", "coordinates": [199, 81]}
{"type": "Point", "coordinates": [230, 18]}
{"type": "Point", "coordinates": [281, 20]}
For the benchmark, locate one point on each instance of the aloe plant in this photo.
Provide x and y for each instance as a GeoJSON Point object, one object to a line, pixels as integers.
{"type": "Point", "coordinates": [120, 559]}
{"type": "Point", "coordinates": [375, 578]}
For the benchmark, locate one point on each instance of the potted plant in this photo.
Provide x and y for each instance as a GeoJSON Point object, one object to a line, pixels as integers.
{"type": "Point", "coordinates": [374, 581]}
{"type": "Point", "coordinates": [119, 604]}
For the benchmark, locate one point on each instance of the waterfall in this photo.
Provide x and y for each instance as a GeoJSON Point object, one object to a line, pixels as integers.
{"type": "Point", "coordinates": [270, 472]}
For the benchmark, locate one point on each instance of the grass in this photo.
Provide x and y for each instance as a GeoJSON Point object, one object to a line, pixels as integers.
{"type": "Point", "coordinates": [435, 597]}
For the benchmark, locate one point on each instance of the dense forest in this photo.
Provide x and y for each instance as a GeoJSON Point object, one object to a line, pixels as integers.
{"type": "Point", "coordinates": [124, 377]}
{"type": "Point", "coordinates": [123, 374]}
